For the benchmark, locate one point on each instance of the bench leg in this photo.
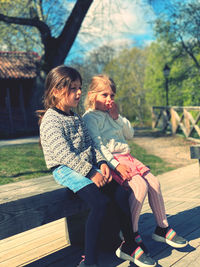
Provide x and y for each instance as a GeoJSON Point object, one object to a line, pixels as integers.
{"type": "Point", "coordinates": [199, 167]}
{"type": "Point", "coordinates": [67, 232]}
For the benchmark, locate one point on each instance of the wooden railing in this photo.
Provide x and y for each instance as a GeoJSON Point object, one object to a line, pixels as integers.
{"type": "Point", "coordinates": [177, 119]}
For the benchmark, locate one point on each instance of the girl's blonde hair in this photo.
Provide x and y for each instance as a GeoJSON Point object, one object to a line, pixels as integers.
{"type": "Point", "coordinates": [97, 85]}
{"type": "Point", "coordinates": [58, 78]}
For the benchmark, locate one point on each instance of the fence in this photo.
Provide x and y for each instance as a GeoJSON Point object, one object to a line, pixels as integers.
{"type": "Point", "coordinates": [177, 119]}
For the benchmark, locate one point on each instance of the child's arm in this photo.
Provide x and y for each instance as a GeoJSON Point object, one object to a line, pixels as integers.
{"type": "Point", "coordinates": [100, 179]}
{"type": "Point", "coordinates": [114, 111]}
{"type": "Point", "coordinates": [127, 129]}
{"type": "Point", "coordinates": [92, 123]}
{"type": "Point", "coordinates": [106, 172]}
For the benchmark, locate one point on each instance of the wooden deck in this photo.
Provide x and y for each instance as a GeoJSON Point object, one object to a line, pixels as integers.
{"type": "Point", "coordinates": [49, 245]}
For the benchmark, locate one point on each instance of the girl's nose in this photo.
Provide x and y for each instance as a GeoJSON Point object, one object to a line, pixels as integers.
{"type": "Point", "coordinates": [108, 98]}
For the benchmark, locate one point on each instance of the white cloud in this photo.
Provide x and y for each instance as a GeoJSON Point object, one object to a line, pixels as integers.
{"type": "Point", "coordinates": [107, 21]}
{"type": "Point", "coordinates": [119, 23]}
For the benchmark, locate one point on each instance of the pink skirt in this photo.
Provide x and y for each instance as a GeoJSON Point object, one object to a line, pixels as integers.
{"type": "Point", "coordinates": [135, 165]}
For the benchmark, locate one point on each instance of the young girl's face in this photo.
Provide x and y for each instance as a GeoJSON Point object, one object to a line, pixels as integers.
{"type": "Point", "coordinates": [71, 99]}
{"type": "Point", "coordinates": [104, 99]}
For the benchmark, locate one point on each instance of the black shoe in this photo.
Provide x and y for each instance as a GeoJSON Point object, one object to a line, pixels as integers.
{"type": "Point", "coordinates": [138, 240]}
{"type": "Point", "coordinates": [170, 237]}
{"type": "Point", "coordinates": [137, 256]}
{"type": "Point", "coordinates": [82, 263]}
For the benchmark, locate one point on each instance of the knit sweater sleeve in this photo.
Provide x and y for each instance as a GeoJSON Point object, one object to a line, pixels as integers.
{"type": "Point", "coordinates": [92, 123]}
{"type": "Point", "coordinates": [58, 148]}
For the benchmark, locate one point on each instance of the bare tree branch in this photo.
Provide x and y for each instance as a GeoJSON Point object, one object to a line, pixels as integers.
{"type": "Point", "coordinates": [56, 49]}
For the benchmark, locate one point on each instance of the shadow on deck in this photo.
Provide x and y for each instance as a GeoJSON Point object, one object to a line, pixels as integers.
{"type": "Point", "coordinates": [70, 256]}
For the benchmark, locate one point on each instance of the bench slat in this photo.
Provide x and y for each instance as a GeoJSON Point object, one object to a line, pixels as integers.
{"type": "Point", "coordinates": [21, 214]}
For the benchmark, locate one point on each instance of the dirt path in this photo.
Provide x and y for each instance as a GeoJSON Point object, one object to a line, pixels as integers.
{"type": "Point", "coordinates": [173, 149]}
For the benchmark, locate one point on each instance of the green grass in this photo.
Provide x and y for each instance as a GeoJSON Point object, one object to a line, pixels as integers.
{"type": "Point", "coordinates": [156, 164]}
{"type": "Point", "coordinates": [22, 162]}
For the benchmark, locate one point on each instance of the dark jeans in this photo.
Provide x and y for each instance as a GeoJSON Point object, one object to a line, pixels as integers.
{"type": "Point", "coordinates": [114, 197]}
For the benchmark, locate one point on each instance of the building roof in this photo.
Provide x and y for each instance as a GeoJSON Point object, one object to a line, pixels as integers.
{"type": "Point", "coordinates": [18, 65]}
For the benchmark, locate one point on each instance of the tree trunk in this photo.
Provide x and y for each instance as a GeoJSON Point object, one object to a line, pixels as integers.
{"type": "Point", "coordinates": [58, 49]}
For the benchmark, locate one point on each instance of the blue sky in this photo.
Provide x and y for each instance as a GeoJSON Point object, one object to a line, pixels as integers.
{"type": "Point", "coordinates": [118, 22]}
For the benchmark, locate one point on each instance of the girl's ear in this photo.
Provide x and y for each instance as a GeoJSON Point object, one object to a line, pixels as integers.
{"type": "Point", "coordinates": [59, 92]}
{"type": "Point", "coordinates": [56, 92]}
{"type": "Point", "coordinates": [94, 101]}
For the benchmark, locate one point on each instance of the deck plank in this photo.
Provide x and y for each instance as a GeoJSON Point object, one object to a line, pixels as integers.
{"type": "Point", "coordinates": [33, 244]}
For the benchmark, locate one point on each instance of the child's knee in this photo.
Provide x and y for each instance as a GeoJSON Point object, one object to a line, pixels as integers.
{"type": "Point", "coordinates": [138, 183]}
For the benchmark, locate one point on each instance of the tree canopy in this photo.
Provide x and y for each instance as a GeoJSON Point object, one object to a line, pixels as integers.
{"type": "Point", "coordinates": [178, 45]}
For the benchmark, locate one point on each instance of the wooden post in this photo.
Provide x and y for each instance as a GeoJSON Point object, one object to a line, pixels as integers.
{"type": "Point", "coordinates": [21, 100]}
{"type": "Point", "coordinates": [195, 154]}
{"type": "Point", "coordinates": [153, 116]}
{"type": "Point", "coordinates": [174, 118]}
{"type": "Point", "coordinates": [186, 121]}
{"type": "Point", "coordinates": [8, 105]}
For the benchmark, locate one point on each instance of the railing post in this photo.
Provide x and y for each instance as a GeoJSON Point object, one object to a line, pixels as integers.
{"type": "Point", "coordinates": [186, 121]}
{"type": "Point", "coordinates": [153, 118]}
{"type": "Point", "coordinates": [195, 154]}
{"type": "Point", "coordinates": [173, 120]}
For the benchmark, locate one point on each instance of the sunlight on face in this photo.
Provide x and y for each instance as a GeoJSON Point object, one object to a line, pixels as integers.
{"type": "Point", "coordinates": [104, 99]}
{"type": "Point", "coordinates": [70, 99]}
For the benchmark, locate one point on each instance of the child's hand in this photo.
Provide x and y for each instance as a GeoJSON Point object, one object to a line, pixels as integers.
{"type": "Point", "coordinates": [113, 111]}
{"type": "Point", "coordinates": [99, 179]}
{"type": "Point", "coordinates": [106, 172]}
{"type": "Point", "coordinates": [124, 171]}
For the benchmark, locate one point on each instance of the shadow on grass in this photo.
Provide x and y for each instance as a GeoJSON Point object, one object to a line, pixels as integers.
{"type": "Point", "coordinates": [25, 173]}
{"type": "Point", "coordinates": [148, 132]}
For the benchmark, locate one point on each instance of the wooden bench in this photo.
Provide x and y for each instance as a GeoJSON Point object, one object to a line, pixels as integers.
{"type": "Point", "coordinates": [195, 154]}
{"type": "Point", "coordinates": [31, 203]}
{"type": "Point", "coordinates": [34, 203]}
{"type": "Point", "coordinates": [28, 206]}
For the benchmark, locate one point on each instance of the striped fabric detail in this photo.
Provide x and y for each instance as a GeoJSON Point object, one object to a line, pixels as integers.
{"type": "Point", "coordinates": [138, 239]}
{"type": "Point", "coordinates": [137, 253]}
{"type": "Point", "coordinates": [170, 234]}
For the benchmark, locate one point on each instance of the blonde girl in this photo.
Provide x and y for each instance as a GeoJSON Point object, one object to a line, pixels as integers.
{"type": "Point", "coordinates": [109, 130]}
{"type": "Point", "coordinates": [76, 163]}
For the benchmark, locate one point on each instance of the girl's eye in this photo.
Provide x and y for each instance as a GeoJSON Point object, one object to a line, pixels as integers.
{"type": "Point", "coordinates": [76, 89]}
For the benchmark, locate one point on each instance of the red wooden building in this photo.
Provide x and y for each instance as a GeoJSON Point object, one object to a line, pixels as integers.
{"type": "Point", "coordinates": [18, 72]}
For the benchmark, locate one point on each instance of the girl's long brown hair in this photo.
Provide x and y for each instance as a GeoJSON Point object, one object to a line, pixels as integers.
{"type": "Point", "coordinates": [58, 78]}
